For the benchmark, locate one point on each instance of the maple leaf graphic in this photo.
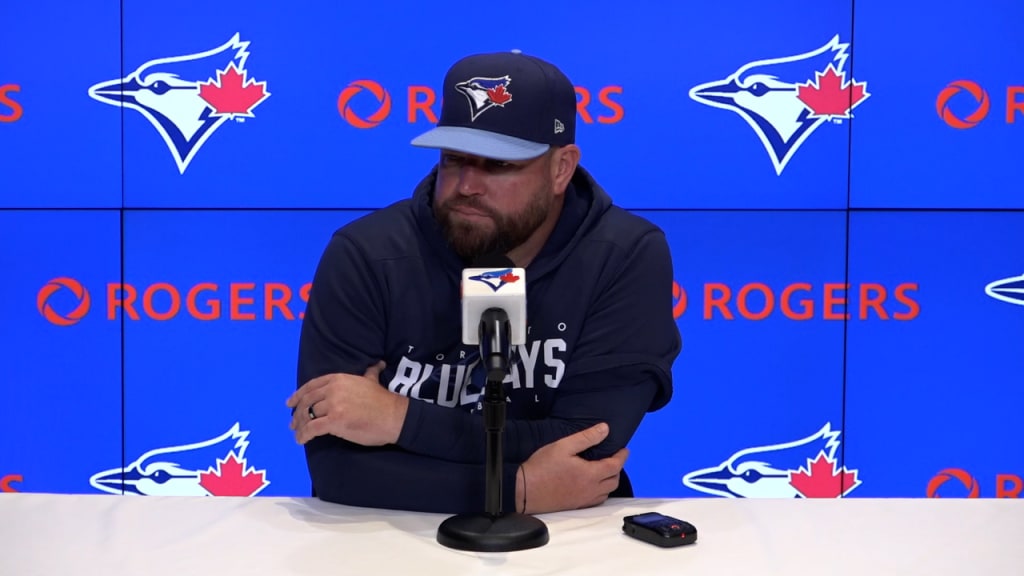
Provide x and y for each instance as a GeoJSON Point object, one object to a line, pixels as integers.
{"type": "Point", "coordinates": [498, 95]}
{"type": "Point", "coordinates": [822, 480]}
{"type": "Point", "coordinates": [231, 479]}
{"type": "Point", "coordinates": [509, 277]}
{"type": "Point", "coordinates": [828, 96]}
{"type": "Point", "coordinates": [232, 93]}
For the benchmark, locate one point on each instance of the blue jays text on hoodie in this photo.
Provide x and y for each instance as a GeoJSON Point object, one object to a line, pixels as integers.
{"type": "Point", "coordinates": [600, 346]}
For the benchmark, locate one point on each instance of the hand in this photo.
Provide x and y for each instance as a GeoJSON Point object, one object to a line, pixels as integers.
{"type": "Point", "coordinates": [356, 408]}
{"type": "Point", "coordinates": [558, 479]}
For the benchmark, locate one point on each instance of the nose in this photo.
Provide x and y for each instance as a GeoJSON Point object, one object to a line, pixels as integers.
{"type": "Point", "coordinates": [470, 182]}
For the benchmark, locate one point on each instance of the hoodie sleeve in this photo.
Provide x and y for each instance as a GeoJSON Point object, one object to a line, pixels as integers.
{"type": "Point", "coordinates": [343, 326]}
{"type": "Point", "coordinates": [621, 369]}
{"type": "Point", "coordinates": [343, 332]}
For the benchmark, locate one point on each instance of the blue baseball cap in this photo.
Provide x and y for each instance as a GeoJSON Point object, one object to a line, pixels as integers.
{"type": "Point", "coordinates": [504, 106]}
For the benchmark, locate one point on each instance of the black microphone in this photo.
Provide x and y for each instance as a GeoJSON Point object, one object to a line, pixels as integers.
{"type": "Point", "coordinates": [493, 295]}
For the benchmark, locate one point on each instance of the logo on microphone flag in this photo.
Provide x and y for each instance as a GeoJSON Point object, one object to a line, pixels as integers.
{"type": "Point", "coordinates": [496, 278]}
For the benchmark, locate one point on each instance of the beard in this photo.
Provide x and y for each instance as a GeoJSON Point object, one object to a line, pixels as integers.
{"type": "Point", "coordinates": [471, 240]}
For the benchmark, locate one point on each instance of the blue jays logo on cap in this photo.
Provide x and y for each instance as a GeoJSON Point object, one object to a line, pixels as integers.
{"type": "Point", "coordinates": [485, 93]}
{"type": "Point", "coordinates": [542, 113]}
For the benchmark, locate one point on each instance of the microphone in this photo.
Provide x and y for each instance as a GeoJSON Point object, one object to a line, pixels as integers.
{"type": "Point", "coordinates": [493, 293]}
{"type": "Point", "coordinates": [494, 311]}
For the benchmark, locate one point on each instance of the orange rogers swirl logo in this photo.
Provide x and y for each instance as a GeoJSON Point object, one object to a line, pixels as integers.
{"type": "Point", "coordinates": [966, 486]}
{"type": "Point", "coordinates": [7, 482]}
{"type": "Point", "coordinates": [972, 119]}
{"type": "Point", "coordinates": [378, 91]}
{"type": "Point", "coordinates": [56, 285]}
{"type": "Point", "coordinates": [957, 474]}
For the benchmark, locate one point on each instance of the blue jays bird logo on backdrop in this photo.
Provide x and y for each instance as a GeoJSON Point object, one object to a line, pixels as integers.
{"type": "Point", "coordinates": [496, 278]}
{"type": "Point", "coordinates": [485, 93]}
{"type": "Point", "coordinates": [786, 99]}
{"type": "Point", "coordinates": [805, 468]}
{"type": "Point", "coordinates": [187, 98]}
{"type": "Point", "coordinates": [1010, 290]}
{"type": "Point", "coordinates": [215, 467]}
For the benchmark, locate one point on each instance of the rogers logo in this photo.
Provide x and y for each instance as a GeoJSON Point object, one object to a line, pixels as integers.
{"type": "Point", "coordinates": [163, 301]}
{"type": "Point", "coordinates": [7, 482]}
{"type": "Point", "coordinates": [378, 91]}
{"type": "Point", "coordinates": [965, 479]}
{"type": "Point", "coordinates": [56, 285]}
{"type": "Point", "coordinates": [421, 102]}
{"type": "Point", "coordinates": [1007, 485]}
{"type": "Point", "coordinates": [800, 301]}
{"type": "Point", "coordinates": [982, 104]}
{"type": "Point", "coordinates": [972, 119]}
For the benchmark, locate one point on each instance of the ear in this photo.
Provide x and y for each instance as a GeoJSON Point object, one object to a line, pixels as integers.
{"type": "Point", "coordinates": [563, 165]}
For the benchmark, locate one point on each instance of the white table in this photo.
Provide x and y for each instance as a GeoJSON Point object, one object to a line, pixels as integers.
{"type": "Point", "coordinates": [58, 535]}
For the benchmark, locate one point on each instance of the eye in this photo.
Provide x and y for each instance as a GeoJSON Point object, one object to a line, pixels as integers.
{"type": "Point", "coordinates": [758, 89]}
{"type": "Point", "coordinates": [488, 165]}
{"type": "Point", "coordinates": [161, 476]}
{"type": "Point", "coordinates": [160, 87]}
{"type": "Point", "coordinates": [497, 165]}
{"type": "Point", "coordinates": [450, 160]}
{"type": "Point", "coordinates": [751, 476]}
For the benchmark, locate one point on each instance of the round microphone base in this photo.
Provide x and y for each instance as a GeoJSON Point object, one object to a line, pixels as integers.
{"type": "Point", "coordinates": [486, 533]}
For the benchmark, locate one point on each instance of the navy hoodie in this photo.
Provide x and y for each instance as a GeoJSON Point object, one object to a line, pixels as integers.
{"type": "Point", "coordinates": [600, 347]}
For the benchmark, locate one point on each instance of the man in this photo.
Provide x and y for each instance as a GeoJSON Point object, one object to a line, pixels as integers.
{"type": "Point", "coordinates": [388, 404]}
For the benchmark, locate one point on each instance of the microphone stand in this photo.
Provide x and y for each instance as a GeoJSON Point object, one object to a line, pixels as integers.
{"type": "Point", "coordinates": [494, 530]}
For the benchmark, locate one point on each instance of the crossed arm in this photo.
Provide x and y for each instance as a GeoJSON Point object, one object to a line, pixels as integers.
{"type": "Point", "coordinates": [371, 447]}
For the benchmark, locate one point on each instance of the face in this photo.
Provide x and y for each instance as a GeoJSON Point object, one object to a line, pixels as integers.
{"type": "Point", "coordinates": [487, 205]}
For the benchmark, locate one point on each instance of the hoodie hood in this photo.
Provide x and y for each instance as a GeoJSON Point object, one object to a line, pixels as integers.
{"type": "Point", "coordinates": [585, 202]}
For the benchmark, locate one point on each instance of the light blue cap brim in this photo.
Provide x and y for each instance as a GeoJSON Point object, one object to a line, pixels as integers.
{"type": "Point", "coordinates": [479, 143]}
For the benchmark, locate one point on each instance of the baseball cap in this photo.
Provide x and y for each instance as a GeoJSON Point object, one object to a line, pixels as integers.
{"type": "Point", "coordinates": [504, 106]}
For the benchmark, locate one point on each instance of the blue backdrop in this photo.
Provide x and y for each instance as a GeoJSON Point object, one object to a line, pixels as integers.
{"type": "Point", "coordinates": [840, 183]}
